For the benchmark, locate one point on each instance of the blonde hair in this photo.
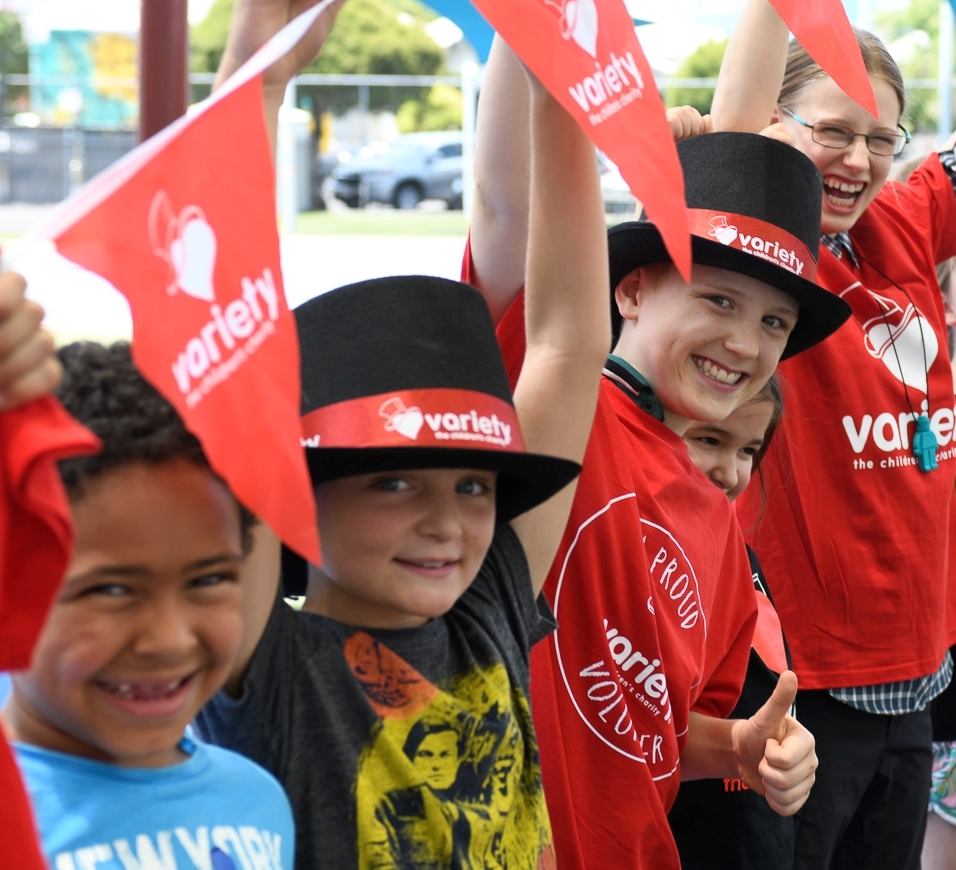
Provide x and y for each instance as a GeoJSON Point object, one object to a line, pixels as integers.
{"type": "Point", "coordinates": [803, 69]}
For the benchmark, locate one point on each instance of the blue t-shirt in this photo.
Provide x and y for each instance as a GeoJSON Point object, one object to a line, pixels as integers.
{"type": "Point", "coordinates": [214, 811]}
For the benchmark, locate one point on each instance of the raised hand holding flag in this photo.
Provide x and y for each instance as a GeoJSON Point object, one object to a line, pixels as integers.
{"type": "Point", "coordinates": [586, 53]}
{"type": "Point", "coordinates": [184, 226]}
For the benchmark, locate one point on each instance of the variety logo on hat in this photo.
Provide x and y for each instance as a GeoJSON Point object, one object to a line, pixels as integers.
{"type": "Point", "coordinates": [722, 231]}
{"type": "Point", "coordinates": [759, 238]}
{"type": "Point", "coordinates": [442, 415]}
{"type": "Point", "coordinates": [405, 421]}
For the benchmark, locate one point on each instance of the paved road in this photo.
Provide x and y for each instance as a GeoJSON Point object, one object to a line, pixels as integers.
{"type": "Point", "coordinates": [82, 305]}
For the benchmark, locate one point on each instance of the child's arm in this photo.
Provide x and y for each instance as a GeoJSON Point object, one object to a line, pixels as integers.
{"type": "Point", "coordinates": [566, 311]}
{"type": "Point", "coordinates": [771, 752]}
{"type": "Point", "coordinates": [260, 577]}
{"type": "Point", "coordinates": [752, 70]}
{"type": "Point", "coordinates": [499, 224]}
{"type": "Point", "coordinates": [253, 23]}
{"type": "Point", "coordinates": [28, 364]}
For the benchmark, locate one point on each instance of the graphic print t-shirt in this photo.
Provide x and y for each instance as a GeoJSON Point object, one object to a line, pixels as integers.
{"type": "Point", "coordinates": [214, 811]}
{"type": "Point", "coordinates": [404, 748]}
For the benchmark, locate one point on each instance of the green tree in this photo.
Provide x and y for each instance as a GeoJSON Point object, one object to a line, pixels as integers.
{"type": "Point", "coordinates": [207, 40]}
{"type": "Point", "coordinates": [440, 110]}
{"type": "Point", "coordinates": [14, 58]}
{"type": "Point", "coordinates": [915, 26]}
{"type": "Point", "coordinates": [703, 63]}
{"type": "Point", "coordinates": [370, 37]}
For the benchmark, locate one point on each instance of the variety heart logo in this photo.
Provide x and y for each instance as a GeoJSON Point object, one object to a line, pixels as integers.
{"type": "Point", "coordinates": [725, 235]}
{"type": "Point", "coordinates": [408, 422]}
{"type": "Point", "coordinates": [580, 22]}
{"type": "Point", "coordinates": [722, 231]}
{"type": "Point", "coordinates": [901, 337]}
{"type": "Point", "coordinates": [908, 347]}
{"type": "Point", "coordinates": [193, 255]}
{"type": "Point", "coordinates": [405, 421]}
{"type": "Point", "coordinates": [187, 243]}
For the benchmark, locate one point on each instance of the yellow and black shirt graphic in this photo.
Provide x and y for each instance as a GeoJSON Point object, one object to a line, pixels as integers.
{"type": "Point", "coordinates": [448, 778]}
{"type": "Point", "coordinates": [403, 748]}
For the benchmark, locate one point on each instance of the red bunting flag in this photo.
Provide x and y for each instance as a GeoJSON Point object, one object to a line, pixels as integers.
{"type": "Point", "coordinates": [586, 53]}
{"type": "Point", "coordinates": [822, 28]}
{"type": "Point", "coordinates": [184, 226]}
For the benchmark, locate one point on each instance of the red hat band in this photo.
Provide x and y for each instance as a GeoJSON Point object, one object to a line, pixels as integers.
{"type": "Point", "coordinates": [434, 417]}
{"type": "Point", "coordinates": [754, 236]}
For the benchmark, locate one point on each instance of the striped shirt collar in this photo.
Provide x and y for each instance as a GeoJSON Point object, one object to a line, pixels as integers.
{"type": "Point", "coordinates": [838, 244]}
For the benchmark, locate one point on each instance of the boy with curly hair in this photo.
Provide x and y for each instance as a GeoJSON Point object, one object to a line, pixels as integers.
{"type": "Point", "coordinates": [143, 632]}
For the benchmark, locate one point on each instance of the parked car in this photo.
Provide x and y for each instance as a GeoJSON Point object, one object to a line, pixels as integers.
{"type": "Point", "coordinates": [617, 196]}
{"type": "Point", "coordinates": [414, 167]}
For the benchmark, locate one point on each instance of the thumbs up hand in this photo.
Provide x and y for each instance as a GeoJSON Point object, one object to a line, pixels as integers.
{"type": "Point", "coordinates": [775, 753]}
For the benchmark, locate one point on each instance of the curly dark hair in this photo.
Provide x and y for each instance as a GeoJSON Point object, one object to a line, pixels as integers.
{"type": "Point", "coordinates": [104, 390]}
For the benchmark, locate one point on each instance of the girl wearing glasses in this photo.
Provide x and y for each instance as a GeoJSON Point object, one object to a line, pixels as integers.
{"type": "Point", "coordinates": [860, 487]}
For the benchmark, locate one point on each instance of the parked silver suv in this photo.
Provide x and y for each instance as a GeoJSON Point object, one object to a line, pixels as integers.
{"type": "Point", "coordinates": [414, 167]}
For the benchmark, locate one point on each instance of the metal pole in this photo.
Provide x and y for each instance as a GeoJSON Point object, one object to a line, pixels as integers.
{"type": "Point", "coordinates": [363, 112]}
{"type": "Point", "coordinates": [285, 163]}
{"type": "Point", "coordinates": [163, 67]}
{"type": "Point", "coordinates": [945, 75]}
{"type": "Point", "coordinates": [469, 104]}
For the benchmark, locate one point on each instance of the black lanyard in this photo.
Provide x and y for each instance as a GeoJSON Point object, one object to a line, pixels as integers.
{"type": "Point", "coordinates": [634, 385]}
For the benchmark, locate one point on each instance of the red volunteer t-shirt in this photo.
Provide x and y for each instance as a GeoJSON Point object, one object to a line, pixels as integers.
{"type": "Point", "coordinates": [652, 591]}
{"type": "Point", "coordinates": [855, 536]}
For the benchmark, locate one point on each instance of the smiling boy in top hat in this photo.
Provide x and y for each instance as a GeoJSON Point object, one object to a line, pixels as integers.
{"type": "Point", "coordinates": [651, 585]}
{"type": "Point", "coordinates": [394, 709]}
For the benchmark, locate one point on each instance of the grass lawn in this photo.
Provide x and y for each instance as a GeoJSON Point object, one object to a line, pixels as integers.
{"type": "Point", "coordinates": [383, 222]}
{"type": "Point", "coordinates": [389, 222]}
{"type": "Point", "coordinates": [370, 222]}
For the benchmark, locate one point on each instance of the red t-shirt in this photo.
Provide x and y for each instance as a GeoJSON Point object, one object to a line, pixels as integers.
{"type": "Point", "coordinates": [855, 536]}
{"type": "Point", "coordinates": [655, 604]}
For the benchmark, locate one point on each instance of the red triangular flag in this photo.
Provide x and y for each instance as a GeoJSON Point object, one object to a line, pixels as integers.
{"type": "Point", "coordinates": [190, 240]}
{"type": "Point", "coordinates": [36, 529]}
{"type": "Point", "coordinates": [184, 226]}
{"type": "Point", "coordinates": [822, 28]}
{"type": "Point", "coordinates": [586, 53]}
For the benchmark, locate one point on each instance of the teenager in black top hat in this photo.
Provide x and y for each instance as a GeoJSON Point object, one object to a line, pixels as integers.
{"type": "Point", "coordinates": [683, 352]}
{"type": "Point", "coordinates": [394, 707]}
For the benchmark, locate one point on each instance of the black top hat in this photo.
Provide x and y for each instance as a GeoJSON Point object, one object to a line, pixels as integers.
{"type": "Point", "coordinates": [405, 372]}
{"type": "Point", "coordinates": [754, 208]}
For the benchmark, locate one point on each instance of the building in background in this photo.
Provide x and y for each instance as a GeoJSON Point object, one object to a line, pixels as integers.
{"type": "Point", "coordinates": [82, 61]}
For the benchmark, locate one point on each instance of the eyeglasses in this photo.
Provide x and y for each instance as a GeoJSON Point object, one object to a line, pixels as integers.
{"type": "Point", "coordinates": [835, 136]}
